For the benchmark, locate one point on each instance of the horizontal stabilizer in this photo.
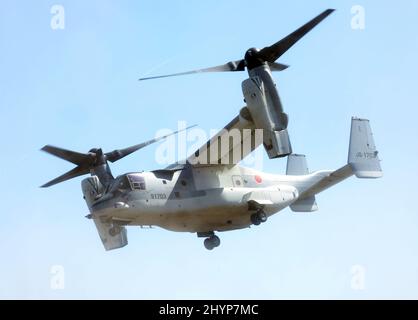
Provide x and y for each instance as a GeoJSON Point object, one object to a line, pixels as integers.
{"type": "Point", "coordinates": [362, 154]}
{"type": "Point", "coordinates": [362, 161]}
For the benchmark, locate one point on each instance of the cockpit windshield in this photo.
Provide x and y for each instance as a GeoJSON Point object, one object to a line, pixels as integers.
{"type": "Point", "coordinates": [136, 181]}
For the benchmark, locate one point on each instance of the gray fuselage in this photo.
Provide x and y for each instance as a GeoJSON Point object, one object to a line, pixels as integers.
{"type": "Point", "coordinates": [196, 199]}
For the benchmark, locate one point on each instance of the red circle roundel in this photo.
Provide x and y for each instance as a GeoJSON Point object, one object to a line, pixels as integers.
{"type": "Point", "coordinates": [258, 179]}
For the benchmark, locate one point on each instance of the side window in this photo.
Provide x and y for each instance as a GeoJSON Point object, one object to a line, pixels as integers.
{"type": "Point", "coordinates": [123, 183]}
{"type": "Point", "coordinates": [137, 181]}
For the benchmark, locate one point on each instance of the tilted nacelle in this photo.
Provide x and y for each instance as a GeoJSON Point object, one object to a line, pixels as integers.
{"type": "Point", "coordinates": [265, 111]}
{"type": "Point", "coordinates": [92, 189]}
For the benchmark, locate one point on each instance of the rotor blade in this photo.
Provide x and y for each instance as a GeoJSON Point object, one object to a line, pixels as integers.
{"type": "Point", "coordinates": [277, 66]}
{"type": "Point", "coordinates": [71, 156]}
{"type": "Point", "coordinates": [77, 171]}
{"type": "Point", "coordinates": [238, 65]}
{"type": "Point", "coordinates": [121, 153]}
{"type": "Point", "coordinates": [273, 52]}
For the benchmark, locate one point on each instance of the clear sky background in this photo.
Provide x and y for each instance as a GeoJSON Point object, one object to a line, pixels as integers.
{"type": "Point", "coordinates": [77, 88]}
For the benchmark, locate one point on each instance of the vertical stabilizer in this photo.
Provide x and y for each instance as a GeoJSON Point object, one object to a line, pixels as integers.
{"type": "Point", "coordinates": [362, 154]}
{"type": "Point", "coordinates": [297, 166]}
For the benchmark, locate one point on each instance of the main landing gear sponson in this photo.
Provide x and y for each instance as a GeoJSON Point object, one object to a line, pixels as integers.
{"type": "Point", "coordinates": [212, 241]}
{"type": "Point", "coordinates": [258, 217]}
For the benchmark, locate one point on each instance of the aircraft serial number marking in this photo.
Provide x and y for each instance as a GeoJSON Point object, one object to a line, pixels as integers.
{"type": "Point", "coordinates": [158, 196]}
{"type": "Point", "coordinates": [367, 155]}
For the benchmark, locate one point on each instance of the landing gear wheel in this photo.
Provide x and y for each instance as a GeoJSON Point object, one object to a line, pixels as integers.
{"type": "Point", "coordinates": [114, 231]}
{"type": "Point", "coordinates": [216, 241]}
{"type": "Point", "coordinates": [212, 242]}
{"type": "Point", "coordinates": [254, 219]}
{"type": "Point", "coordinates": [258, 218]}
{"type": "Point", "coordinates": [208, 245]}
{"type": "Point", "coordinates": [262, 216]}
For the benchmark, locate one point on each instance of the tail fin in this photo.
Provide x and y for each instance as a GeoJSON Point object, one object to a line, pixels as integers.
{"type": "Point", "coordinates": [362, 154]}
{"type": "Point", "coordinates": [362, 162]}
{"type": "Point", "coordinates": [297, 166]}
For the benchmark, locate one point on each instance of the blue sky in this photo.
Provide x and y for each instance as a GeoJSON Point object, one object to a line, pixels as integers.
{"type": "Point", "coordinates": [77, 88]}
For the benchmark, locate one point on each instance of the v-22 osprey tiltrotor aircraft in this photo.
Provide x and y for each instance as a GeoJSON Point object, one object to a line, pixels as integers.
{"type": "Point", "coordinates": [209, 192]}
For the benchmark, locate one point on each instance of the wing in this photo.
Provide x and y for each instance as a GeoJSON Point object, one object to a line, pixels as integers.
{"type": "Point", "coordinates": [230, 145]}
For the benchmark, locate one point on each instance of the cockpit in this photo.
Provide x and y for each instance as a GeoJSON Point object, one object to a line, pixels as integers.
{"type": "Point", "coordinates": [136, 181]}
{"type": "Point", "coordinates": [130, 181]}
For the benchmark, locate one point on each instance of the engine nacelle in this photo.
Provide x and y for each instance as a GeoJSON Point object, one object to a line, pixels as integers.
{"type": "Point", "coordinates": [277, 143]}
{"type": "Point", "coordinates": [92, 189]}
{"type": "Point", "coordinates": [264, 105]}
